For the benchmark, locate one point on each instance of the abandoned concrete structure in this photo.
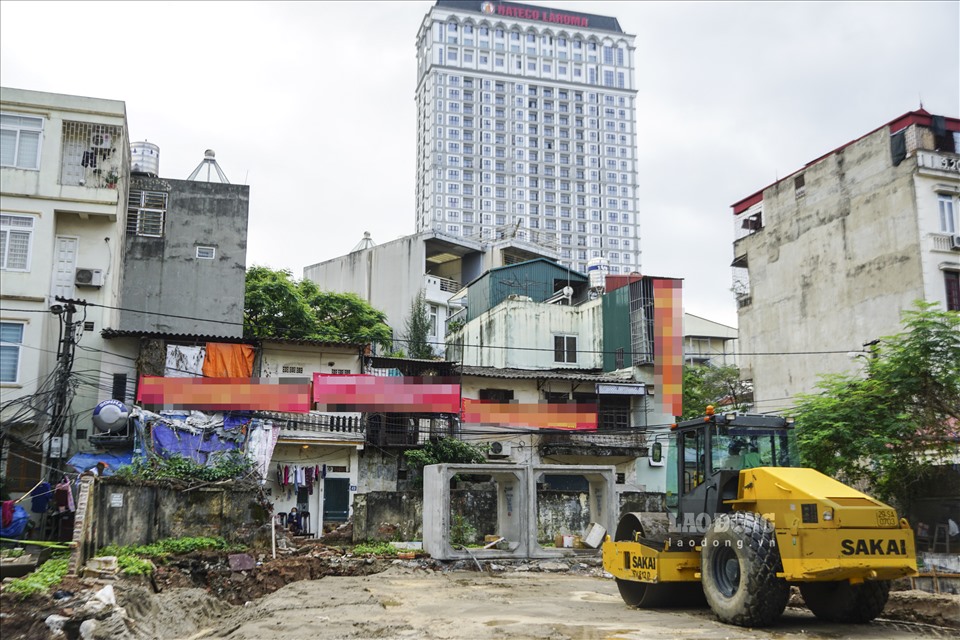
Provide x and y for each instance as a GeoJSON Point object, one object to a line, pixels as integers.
{"type": "Point", "coordinates": [836, 250]}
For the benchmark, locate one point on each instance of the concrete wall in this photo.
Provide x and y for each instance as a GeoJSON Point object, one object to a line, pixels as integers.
{"type": "Point", "coordinates": [388, 276]}
{"type": "Point", "coordinates": [130, 515]}
{"type": "Point", "coordinates": [830, 270]}
{"type": "Point", "coordinates": [398, 515]}
{"type": "Point", "coordinates": [164, 276]}
{"type": "Point", "coordinates": [532, 325]}
{"type": "Point", "coordinates": [313, 359]}
{"type": "Point", "coordinates": [378, 470]}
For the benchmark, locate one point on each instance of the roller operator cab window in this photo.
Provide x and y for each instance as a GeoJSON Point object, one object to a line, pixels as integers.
{"type": "Point", "coordinates": [739, 448]}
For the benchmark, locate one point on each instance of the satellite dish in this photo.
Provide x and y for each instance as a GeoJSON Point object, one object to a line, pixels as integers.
{"type": "Point", "coordinates": [110, 415]}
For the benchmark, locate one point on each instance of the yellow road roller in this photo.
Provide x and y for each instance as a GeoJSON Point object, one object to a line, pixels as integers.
{"type": "Point", "coordinates": [744, 522]}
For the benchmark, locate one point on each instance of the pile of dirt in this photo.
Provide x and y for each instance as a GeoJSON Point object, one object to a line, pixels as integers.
{"type": "Point", "coordinates": [213, 573]}
{"type": "Point", "coordinates": [919, 606]}
{"type": "Point", "coordinates": [201, 583]}
{"type": "Point", "coordinates": [941, 610]}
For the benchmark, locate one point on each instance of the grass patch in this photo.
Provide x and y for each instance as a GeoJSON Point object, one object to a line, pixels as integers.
{"type": "Point", "coordinates": [135, 560]}
{"type": "Point", "coordinates": [375, 549]}
{"type": "Point", "coordinates": [48, 575]}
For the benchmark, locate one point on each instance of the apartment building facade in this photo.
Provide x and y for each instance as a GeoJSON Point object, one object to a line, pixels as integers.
{"type": "Point", "coordinates": [64, 167]}
{"type": "Point", "coordinates": [526, 125]}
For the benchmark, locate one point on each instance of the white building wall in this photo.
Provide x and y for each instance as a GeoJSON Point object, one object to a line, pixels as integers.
{"type": "Point", "coordinates": [520, 334]}
{"type": "Point", "coordinates": [89, 213]}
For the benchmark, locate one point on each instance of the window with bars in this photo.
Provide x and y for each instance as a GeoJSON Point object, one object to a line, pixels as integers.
{"type": "Point", "coordinates": [146, 213]}
{"type": "Point", "coordinates": [90, 154]}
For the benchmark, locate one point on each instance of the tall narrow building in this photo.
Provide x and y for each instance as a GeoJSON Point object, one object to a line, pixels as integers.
{"type": "Point", "coordinates": [527, 128]}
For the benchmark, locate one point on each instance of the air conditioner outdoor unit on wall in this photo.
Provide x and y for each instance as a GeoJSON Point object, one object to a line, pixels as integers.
{"type": "Point", "coordinates": [955, 243]}
{"type": "Point", "coordinates": [499, 450]}
{"type": "Point", "coordinates": [101, 141]}
{"type": "Point", "coordinates": [88, 277]}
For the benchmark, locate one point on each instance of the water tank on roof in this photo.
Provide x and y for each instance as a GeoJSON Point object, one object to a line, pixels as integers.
{"type": "Point", "coordinates": [144, 159]}
{"type": "Point", "coordinates": [597, 270]}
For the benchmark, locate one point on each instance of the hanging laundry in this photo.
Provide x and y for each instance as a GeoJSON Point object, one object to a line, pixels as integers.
{"type": "Point", "coordinates": [310, 481]}
{"type": "Point", "coordinates": [89, 160]}
{"type": "Point", "coordinates": [286, 475]}
{"type": "Point", "coordinates": [228, 360]}
{"type": "Point", "coordinates": [63, 496]}
{"type": "Point", "coordinates": [41, 495]}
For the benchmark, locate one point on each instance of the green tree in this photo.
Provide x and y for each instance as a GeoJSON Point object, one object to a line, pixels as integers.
{"type": "Point", "coordinates": [274, 306]}
{"type": "Point", "coordinates": [277, 306]}
{"type": "Point", "coordinates": [417, 329]}
{"type": "Point", "coordinates": [895, 424]}
{"type": "Point", "coordinates": [346, 317]}
{"type": "Point", "coordinates": [449, 450]}
{"type": "Point", "coordinates": [720, 386]}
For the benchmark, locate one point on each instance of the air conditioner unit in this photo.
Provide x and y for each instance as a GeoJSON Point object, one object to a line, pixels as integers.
{"type": "Point", "coordinates": [955, 243]}
{"type": "Point", "coordinates": [499, 450]}
{"type": "Point", "coordinates": [101, 141]}
{"type": "Point", "coordinates": [88, 278]}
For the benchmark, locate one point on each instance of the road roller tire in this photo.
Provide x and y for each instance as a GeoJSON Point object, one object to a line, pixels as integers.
{"type": "Point", "coordinates": [739, 566]}
{"type": "Point", "coordinates": [841, 601]}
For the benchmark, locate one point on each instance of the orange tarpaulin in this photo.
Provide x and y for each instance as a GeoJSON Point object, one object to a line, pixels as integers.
{"type": "Point", "coordinates": [228, 360]}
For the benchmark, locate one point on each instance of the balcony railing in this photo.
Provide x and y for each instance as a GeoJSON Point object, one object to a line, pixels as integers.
{"type": "Point", "coordinates": [635, 440]}
{"type": "Point", "coordinates": [949, 162]}
{"type": "Point", "coordinates": [317, 423]}
{"type": "Point", "coordinates": [92, 155]}
{"type": "Point", "coordinates": [443, 284]}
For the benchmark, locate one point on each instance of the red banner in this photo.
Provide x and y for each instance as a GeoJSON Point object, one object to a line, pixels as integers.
{"type": "Point", "coordinates": [386, 393]}
{"type": "Point", "coordinates": [570, 417]}
{"type": "Point", "coordinates": [226, 394]}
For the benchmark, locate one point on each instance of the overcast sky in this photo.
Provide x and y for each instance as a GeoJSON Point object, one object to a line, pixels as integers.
{"type": "Point", "coordinates": [312, 105]}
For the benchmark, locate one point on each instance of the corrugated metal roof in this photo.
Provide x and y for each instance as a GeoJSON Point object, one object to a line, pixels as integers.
{"type": "Point", "coordinates": [581, 375]}
{"type": "Point", "coordinates": [197, 337]}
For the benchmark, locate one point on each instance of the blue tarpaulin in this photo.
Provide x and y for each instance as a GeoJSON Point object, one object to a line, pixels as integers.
{"type": "Point", "coordinates": [168, 442]}
{"type": "Point", "coordinates": [83, 461]}
{"type": "Point", "coordinates": [17, 524]}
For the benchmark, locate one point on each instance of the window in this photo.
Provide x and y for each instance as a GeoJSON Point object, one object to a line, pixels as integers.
{"type": "Point", "coordinates": [496, 395]}
{"type": "Point", "coordinates": [947, 215]}
{"type": "Point", "coordinates": [11, 337]}
{"type": "Point", "coordinates": [146, 211]}
{"type": "Point", "coordinates": [433, 311]}
{"type": "Point", "coordinates": [20, 141]}
{"type": "Point", "coordinates": [16, 236]}
{"type": "Point", "coordinates": [119, 389]}
{"type": "Point", "coordinates": [206, 253]}
{"type": "Point", "coordinates": [564, 348]}
{"type": "Point", "coordinates": [952, 282]}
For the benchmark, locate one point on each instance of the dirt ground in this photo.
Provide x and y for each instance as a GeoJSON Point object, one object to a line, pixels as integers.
{"type": "Point", "coordinates": [322, 593]}
{"type": "Point", "coordinates": [408, 603]}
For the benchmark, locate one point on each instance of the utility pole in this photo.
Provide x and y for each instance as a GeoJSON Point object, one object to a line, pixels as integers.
{"type": "Point", "coordinates": [65, 352]}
